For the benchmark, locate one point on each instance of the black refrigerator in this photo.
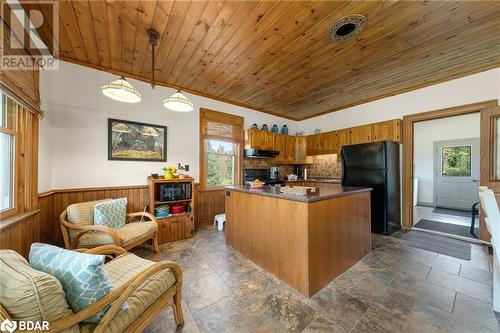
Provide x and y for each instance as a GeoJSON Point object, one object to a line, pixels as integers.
{"type": "Point", "coordinates": [376, 165]}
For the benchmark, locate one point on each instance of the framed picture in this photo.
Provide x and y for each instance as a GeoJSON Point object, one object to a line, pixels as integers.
{"type": "Point", "coordinates": [133, 141]}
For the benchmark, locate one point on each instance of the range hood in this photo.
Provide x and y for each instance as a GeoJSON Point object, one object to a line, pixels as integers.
{"type": "Point", "coordinates": [257, 153]}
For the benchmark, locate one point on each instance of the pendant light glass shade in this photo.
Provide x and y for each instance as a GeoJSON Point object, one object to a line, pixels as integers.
{"type": "Point", "coordinates": [122, 91]}
{"type": "Point", "coordinates": [178, 102]}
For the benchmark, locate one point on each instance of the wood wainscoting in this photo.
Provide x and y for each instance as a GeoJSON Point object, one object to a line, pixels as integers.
{"type": "Point", "coordinates": [42, 224]}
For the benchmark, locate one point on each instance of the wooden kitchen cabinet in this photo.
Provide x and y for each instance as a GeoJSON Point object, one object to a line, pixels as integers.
{"type": "Point", "coordinates": [313, 144]}
{"type": "Point", "coordinates": [327, 142]}
{"type": "Point", "coordinates": [387, 130]}
{"type": "Point", "coordinates": [360, 134]}
{"type": "Point", "coordinates": [301, 150]}
{"type": "Point", "coordinates": [289, 149]}
{"type": "Point", "coordinates": [280, 145]}
{"type": "Point", "coordinates": [258, 139]}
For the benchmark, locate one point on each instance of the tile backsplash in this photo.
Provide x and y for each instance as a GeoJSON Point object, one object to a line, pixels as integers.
{"type": "Point", "coordinates": [325, 166]}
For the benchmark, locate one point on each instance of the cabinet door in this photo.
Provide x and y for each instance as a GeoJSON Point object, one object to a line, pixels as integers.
{"type": "Point", "coordinates": [270, 140]}
{"type": "Point", "coordinates": [255, 139]}
{"type": "Point", "coordinates": [327, 142]}
{"type": "Point", "coordinates": [361, 134]}
{"type": "Point", "coordinates": [387, 130]}
{"type": "Point", "coordinates": [343, 139]}
{"type": "Point", "coordinates": [280, 143]}
{"type": "Point", "coordinates": [313, 144]}
{"type": "Point", "coordinates": [290, 149]}
{"type": "Point", "coordinates": [300, 149]}
{"type": "Point", "coordinates": [187, 226]}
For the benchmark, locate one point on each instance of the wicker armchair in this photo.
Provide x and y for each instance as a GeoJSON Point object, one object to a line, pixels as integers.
{"type": "Point", "coordinates": [146, 286]}
{"type": "Point", "coordinates": [79, 231]}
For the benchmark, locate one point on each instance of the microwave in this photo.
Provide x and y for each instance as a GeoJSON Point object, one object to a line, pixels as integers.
{"type": "Point", "coordinates": [174, 191]}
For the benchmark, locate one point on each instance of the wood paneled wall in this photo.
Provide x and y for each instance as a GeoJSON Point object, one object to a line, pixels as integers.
{"type": "Point", "coordinates": [42, 225]}
{"type": "Point", "coordinates": [208, 204]}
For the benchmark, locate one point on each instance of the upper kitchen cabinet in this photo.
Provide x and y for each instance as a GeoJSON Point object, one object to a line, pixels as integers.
{"type": "Point", "coordinates": [257, 139]}
{"type": "Point", "coordinates": [301, 150]}
{"type": "Point", "coordinates": [289, 149]}
{"type": "Point", "coordinates": [361, 134]}
{"type": "Point", "coordinates": [328, 141]}
{"type": "Point", "coordinates": [343, 138]}
{"type": "Point", "coordinates": [314, 144]}
{"type": "Point", "coordinates": [387, 131]}
{"type": "Point", "coordinates": [280, 145]}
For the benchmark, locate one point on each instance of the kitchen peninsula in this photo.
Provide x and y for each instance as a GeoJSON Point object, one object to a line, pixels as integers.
{"type": "Point", "coordinates": [305, 241]}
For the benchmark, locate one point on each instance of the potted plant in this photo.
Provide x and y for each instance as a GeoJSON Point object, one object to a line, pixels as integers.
{"type": "Point", "coordinates": [169, 172]}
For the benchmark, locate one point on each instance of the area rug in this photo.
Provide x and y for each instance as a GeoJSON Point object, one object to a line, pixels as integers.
{"type": "Point", "coordinates": [436, 243]}
{"type": "Point", "coordinates": [447, 228]}
{"type": "Point", "coordinates": [454, 212]}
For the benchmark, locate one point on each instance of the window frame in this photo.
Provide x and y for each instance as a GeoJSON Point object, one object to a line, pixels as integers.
{"type": "Point", "coordinates": [4, 98]}
{"type": "Point", "coordinates": [206, 116]}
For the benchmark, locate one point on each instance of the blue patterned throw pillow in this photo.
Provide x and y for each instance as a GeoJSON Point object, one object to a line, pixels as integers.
{"type": "Point", "coordinates": [83, 276]}
{"type": "Point", "coordinates": [112, 213]}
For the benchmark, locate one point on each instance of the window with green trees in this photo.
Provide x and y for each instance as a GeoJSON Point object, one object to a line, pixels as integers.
{"type": "Point", "coordinates": [456, 161]}
{"type": "Point", "coordinates": [221, 139]}
{"type": "Point", "coordinates": [220, 163]}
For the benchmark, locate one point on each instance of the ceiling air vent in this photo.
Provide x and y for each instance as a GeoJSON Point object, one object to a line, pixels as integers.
{"type": "Point", "coordinates": [347, 27]}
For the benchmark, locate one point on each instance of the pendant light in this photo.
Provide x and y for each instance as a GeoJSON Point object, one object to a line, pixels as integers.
{"type": "Point", "coordinates": [178, 102]}
{"type": "Point", "coordinates": [122, 91]}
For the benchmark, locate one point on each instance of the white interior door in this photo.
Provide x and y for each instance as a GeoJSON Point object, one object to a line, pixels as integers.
{"type": "Point", "coordinates": [457, 173]}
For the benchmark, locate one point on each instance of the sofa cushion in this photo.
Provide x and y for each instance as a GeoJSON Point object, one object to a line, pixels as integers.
{"type": "Point", "coordinates": [83, 276]}
{"type": "Point", "coordinates": [28, 294]}
{"type": "Point", "coordinates": [120, 271]}
{"type": "Point", "coordinates": [112, 213]}
{"type": "Point", "coordinates": [81, 213]}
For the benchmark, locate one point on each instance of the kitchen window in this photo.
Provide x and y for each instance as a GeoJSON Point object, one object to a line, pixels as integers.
{"type": "Point", "coordinates": [221, 137]}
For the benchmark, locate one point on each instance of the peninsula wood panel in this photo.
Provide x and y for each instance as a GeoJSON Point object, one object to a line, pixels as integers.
{"type": "Point", "coordinates": [208, 204]}
{"type": "Point", "coordinates": [276, 56]}
{"type": "Point", "coordinates": [306, 245]}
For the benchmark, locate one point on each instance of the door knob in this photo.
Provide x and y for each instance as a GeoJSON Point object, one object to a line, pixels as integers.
{"type": "Point", "coordinates": [474, 180]}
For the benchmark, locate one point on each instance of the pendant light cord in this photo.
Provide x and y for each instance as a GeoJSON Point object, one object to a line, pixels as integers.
{"type": "Point", "coordinates": [153, 41]}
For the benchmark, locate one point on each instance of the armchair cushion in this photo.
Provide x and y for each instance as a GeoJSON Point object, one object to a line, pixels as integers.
{"type": "Point", "coordinates": [28, 294]}
{"type": "Point", "coordinates": [121, 270]}
{"type": "Point", "coordinates": [129, 234]}
{"type": "Point", "coordinates": [111, 213]}
{"type": "Point", "coordinates": [135, 231]}
{"type": "Point", "coordinates": [83, 276]}
{"type": "Point", "coordinates": [82, 213]}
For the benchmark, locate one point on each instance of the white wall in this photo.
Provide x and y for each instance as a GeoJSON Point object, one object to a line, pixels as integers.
{"type": "Point", "coordinates": [73, 139]}
{"type": "Point", "coordinates": [425, 134]}
{"type": "Point", "coordinates": [470, 89]}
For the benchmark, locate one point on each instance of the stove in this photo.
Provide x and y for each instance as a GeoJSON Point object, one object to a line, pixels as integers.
{"type": "Point", "coordinates": [250, 175]}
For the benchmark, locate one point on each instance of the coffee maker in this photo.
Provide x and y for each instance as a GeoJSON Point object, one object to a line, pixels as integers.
{"type": "Point", "coordinates": [274, 173]}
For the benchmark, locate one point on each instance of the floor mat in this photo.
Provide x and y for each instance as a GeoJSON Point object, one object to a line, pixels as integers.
{"type": "Point", "coordinates": [447, 228]}
{"type": "Point", "coordinates": [455, 212]}
{"type": "Point", "coordinates": [436, 243]}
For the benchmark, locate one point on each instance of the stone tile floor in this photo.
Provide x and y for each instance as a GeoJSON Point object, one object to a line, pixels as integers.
{"type": "Point", "coordinates": [396, 288]}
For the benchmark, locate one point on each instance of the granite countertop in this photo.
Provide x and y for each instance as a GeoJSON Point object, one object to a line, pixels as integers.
{"type": "Point", "coordinates": [324, 194]}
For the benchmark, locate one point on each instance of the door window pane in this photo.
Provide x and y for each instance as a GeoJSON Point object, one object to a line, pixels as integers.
{"type": "Point", "coordinates": [456, 161]}
{"type": "Point", "coordinates": [221, 161]}
{"type": "Point", "coordinates": [6, 171]}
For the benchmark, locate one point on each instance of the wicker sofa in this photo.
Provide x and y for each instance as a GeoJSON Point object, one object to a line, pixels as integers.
{"type": "Point", "coordinates": [79, 231]}
{"type": "Point", "coordinates": [146, 286]}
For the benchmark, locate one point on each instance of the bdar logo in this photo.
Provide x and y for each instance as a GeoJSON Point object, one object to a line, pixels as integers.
{"type": "Point", "coordinates": [8, 326]}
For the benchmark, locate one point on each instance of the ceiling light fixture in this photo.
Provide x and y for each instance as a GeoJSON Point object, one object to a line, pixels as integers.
{"type": "Point", "coordinates": [122, 91]}
{"type": "Point", "coordinates": [178, 102]}
{"type": "Point", "coordinates": [347, 27]}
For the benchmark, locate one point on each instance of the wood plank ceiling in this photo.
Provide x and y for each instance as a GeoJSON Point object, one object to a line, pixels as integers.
{"type": "Point", "coordinates": [276, 56]}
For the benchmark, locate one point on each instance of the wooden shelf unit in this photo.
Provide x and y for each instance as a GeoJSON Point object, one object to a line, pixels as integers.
{"type": "Point", "coordinates": [173, 227]}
